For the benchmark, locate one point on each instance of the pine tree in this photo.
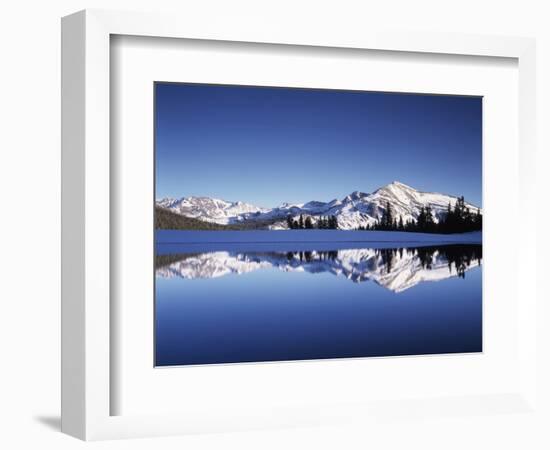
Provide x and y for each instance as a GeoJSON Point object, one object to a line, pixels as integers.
{"type": "Point", "coordinates": [289, 222]}
{"type": "Point", "coordinates": [301, 222]}
{"type": "Point", "coordinates": [308, 223]}
{"type": "Point", "coordinates": [429, 226]}
{"type": "Point", "coordinates": [421, 220]}
{"type": "Point", "coordinates": [446, 224]}
{"type": "Point", "coordinates": [387, 217]}
{"type": "Point", "coordinates": [460, 209]}
{"type": "Point", "coordinates": [478, 221]}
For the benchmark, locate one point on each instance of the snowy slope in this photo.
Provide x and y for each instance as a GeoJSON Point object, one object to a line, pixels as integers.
{"type": "Point", "coordinates": [210, 209]}
{"type": "Point", "coordinates": [355, 210]}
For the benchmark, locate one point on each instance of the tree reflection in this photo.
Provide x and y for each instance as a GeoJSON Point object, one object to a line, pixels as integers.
{"type": "Point", "coordinates": [395, 268]}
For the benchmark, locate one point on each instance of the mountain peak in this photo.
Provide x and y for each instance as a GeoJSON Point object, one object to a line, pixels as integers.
{"type": "Point", "coordinates": [396, 188]}
{"type": "Point", "coordinates": [401, 185]}
{"type": "Point", "coordinates": [355, 195]}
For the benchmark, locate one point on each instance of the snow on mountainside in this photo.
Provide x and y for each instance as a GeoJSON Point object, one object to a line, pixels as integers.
{"type": "Point", "coordinates": [355, 210]}
{"type": "Point", "coordinates": [210, 209]}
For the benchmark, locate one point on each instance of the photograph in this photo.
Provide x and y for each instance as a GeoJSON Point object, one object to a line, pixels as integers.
{"type": "Point", "coordinates": [296, 223]}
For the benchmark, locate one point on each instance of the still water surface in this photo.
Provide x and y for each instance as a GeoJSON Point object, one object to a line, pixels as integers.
{"type": "Point", "coordinates": [228, 306]}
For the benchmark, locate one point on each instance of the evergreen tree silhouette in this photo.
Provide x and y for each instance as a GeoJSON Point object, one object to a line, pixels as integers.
{"type": "Point", "coordinates": [387, 217]}
{"type": "Point", "coordinates": [429, 226]}
{"type": "Point", "coordinates": [289, 222]}
{"type": "Point", "coordinates": [478, 221]}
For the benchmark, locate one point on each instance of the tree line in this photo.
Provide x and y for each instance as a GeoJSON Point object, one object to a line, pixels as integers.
{"type": "Point", "coordinates": [306, 223]}
{"type": "Point", "coordinates": [457, 219]}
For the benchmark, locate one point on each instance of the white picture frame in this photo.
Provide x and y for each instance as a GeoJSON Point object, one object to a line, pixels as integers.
{"type": "Point", "coordinates": [86, 220]}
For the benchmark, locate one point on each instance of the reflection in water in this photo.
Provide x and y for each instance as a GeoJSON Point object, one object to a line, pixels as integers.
{"type": "Point", "coordinates": [396, 269]}
{"type": "Point", "coordinates": [275, 303]}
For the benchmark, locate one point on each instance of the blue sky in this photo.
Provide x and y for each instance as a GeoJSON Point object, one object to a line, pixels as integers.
{"type": "Point", "coordinates": [267, 146]}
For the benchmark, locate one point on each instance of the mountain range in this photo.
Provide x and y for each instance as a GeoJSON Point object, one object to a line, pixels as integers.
{"type": "Point", "coordinates": [357, 209]}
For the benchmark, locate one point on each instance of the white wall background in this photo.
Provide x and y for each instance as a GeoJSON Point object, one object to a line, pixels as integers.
{"type": "Point", "coordinates": [29, 222]}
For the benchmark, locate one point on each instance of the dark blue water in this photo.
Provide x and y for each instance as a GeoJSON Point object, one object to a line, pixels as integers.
{"type": "Point", "coordinates": [228, 307]}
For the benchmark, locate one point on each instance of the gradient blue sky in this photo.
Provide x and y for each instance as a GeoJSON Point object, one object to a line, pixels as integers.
{"type": "Point", "coordinates": [267, 146]}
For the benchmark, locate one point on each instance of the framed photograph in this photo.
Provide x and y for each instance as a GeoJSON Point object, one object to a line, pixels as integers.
{"type": "Point", "coordinates": [265, 228]}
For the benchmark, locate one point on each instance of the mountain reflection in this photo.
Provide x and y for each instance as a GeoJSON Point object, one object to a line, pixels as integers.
{"type": "Point", "coordinates": [396, 269]}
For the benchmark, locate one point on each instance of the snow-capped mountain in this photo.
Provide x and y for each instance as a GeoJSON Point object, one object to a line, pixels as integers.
{"type": "Point", "coordinates": [394, 269]}
{"type": "Point", "coordinates": [355, 210]}
{"type": "Point", "coordinates": [211, 209]}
